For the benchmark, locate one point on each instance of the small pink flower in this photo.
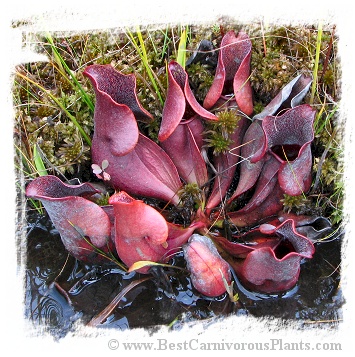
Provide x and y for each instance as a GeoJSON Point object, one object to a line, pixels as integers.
{"type": "Point", "coordinates": [100, 171]}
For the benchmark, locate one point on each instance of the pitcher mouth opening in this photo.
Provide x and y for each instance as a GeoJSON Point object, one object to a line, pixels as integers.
{"type": "Point", "coordinates": [284, 248]}
{"type": "Point", "coordinates": [286, 152]}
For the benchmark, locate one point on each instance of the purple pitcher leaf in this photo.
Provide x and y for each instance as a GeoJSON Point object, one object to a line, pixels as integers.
{"type": "Point", "coordinates": [160, 166]}
{"type": "Point", "coordinates": [177, 237]}
{"type": "Point", "coordinates": [158, 163]}
{"type": "Point", "coordinates": [262, 271]}
{"type": "Point", "coordinates": [84, 215]}
{"type": "Point", "coordinates": [235, 249]}
{"type": "Point", "coordinates": [209, 272]}
{"type": "Point", "coordinates": [254, 144]}
{"type": "Point", "coordinates": [305, 220]}
{"type": "Point", "coordinates": [301, 244]}
{"type": "Point", "coordinates": [50, 186]}
{"type": "Point", "coordinates": [179, 75]}
{"type": "Point", "coordinates": [204, 54]}
{"type": "Point", "coordinates": [292, 129]}
{"type": "Point", "coordinates": [108, 209]}
{"type": "Point", "coordinates": [264, 186]}
{"type": "Point", "coordinates": [299, 91]}
{"type": "Point", "coordinates": [145, 171]}
{"type": "Point", "coordinates": [288, 138]}
{"type": "Point", "coordinates": [241, 83]}
{"type": "Point", "coordinates": [272, 269]}
{"type": "Point", "coordinates": [106, 80]}
{"type": "Point", "coordinates": [268, 208]}
{"type": "Point", "coordinates": [185, 154]}
{"type": "Point", "coordinates": [287, 229]}
{"type": "Point", "coordinates": [317, 230]}
{"type": "Point", "coordinates": [312, 227]}
{"type": "Point", "coordinates": [194, 104]}
{"type": "Point", "coordinates": [140, 230]}
{"type": "Point", "coordinates": [290, 96]}
{"type": "Point", "coordinates": [174, 108]}
{"type": "Point", "coordinates": [180, 102]}
{"type": "Point", "coordinates": [249, 174]}
{"type": "Point", "coordinates": [232, 72]}
{"type": "Point", "coordinates": [76, 218]}
{"type": "Point", "coordinates": [241, 250]}
{"type": "Point", "coordinates": [253, 150]}
{"type": "Point", "coordinates": [197, 129]}
{"type": "Point", "coordinates": [295, 177]}
{"type": "Point", "coordinates": [226, 165]}
{"type": "Point", "coordinates": [117, 130]}
{"type": "Point", "coordinates": [116, 103]}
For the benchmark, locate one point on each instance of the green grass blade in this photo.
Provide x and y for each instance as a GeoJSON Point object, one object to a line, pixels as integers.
{"type": "Point", "coordinates": [61, 62]}
{"type": "Point", "coordinates": [319, 127]}
{"type": "Point", "coordinates": [165, 44]}
{"type": "Point", "coordinates": [37, 158]}
{"type": "Point", "coordinates": [181, 55]}
{"type": "Point", "coordinates": [143, 55]}
{"type": "Point", "coordinates": [316, 63]}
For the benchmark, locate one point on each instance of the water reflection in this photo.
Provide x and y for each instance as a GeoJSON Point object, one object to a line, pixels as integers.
{"type": "Point", "coordinates": [60, 291]}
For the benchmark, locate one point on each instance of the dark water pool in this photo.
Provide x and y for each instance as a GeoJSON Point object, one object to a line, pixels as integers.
{"type": "Point", "coordinates": [62, 292]}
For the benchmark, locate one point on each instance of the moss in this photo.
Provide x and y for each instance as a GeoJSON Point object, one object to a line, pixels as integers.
{"type": "Point", "coordinates": [103, 200]}
{"type": "Point", "coordinates": [328, 78]}
{"type": "Point", "coordinates": [190, 196]}
{"type": "Point", "coordinates": [217, 135]}
{"type": "Point", "coordinates": [45, 111]}
{"type": "Point", "coordinates": [200, 79]}
{"type": "Point", "coordinates": [296, 204]}
{"type": "Point", "coordinates": [329, 170]}
{"type": "Point", "coordinates": [218, 142]}
{"type": "Point", "coordinates": [280, 53]}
